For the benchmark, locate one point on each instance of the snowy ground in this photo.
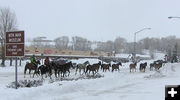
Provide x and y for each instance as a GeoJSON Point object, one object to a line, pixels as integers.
{"type": "Point", "coordinates": [121, 85]}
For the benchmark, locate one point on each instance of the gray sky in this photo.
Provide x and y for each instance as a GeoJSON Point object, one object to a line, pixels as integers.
{"type": "Point", "coordinates": [96, 19]}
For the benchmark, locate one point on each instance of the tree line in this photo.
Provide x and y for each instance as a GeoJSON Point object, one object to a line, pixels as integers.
{"type": "Point", "coordinates": [168, 44]}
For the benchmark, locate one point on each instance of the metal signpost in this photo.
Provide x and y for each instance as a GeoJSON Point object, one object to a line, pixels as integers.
{"type": "Point", "coordinates": [14, 47]}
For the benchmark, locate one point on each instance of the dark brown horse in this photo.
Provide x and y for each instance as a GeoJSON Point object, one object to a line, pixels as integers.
{"type": "Point", "coordinates": [45, 69]}
{"type": "Point", "coordinates": [151, 66]}
{"type": "Point", "coordinates": [93, 68]}
{"type": "Point", "coordinates": [143, 67]}
{"type": "Point", "coordinates": [116, 66]}
{"type": "Point", "coordinates": [105, 67]}
{"type": "Point", "coordinates": [32, 66]}
{"type": "Point", "coordinates": [63, 69]}
{"type": "Point", "coordinates": [97, 66]}
{"type": "Point", "coordinates": [132, 66]}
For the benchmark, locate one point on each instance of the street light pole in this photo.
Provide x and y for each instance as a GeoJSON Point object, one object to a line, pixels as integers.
{"type": "Point", "coordinates": [135, 41]}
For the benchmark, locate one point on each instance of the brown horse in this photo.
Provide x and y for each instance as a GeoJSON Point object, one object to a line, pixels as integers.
{"type": "Point", "coordinates": [45, 69]}
{"type": "Point", "coordinates": [63, 69]}
{"type": "Point", "coordinates": [93, 68]}
{"type": "Point", "coordinates": [132, 66]}
{"type": "Point", "coordinates": [31, 66]}
{"type": "Point", "coordinates": [116, 66]}
{"type": "Point", "coordinates": [105, 67]}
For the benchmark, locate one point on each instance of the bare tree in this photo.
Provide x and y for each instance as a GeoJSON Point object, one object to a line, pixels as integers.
{"type": "Point", "coordinates": [8, 22]}
{"type": "Point", "coordinates": [119, 44]}
{"type": "Point", "coordinates": [62, 42]}
{"type": "Point", "coordinates": [80, 43]}
{"type": "Point", "coordinates": [100, 46]}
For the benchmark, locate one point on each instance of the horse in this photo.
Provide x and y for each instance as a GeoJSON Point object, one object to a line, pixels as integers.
{"type": "Point", "coordinates": [54, 67]}
{"type": "Point", "coordinates": [105, 67]}
{"type": "Point", "coordinates": [116, 66]}
{"type": "Point", "coordinates": [81, 67]}
{"type": "Point", "coordinates": [132, 66]}
{"type": "Point", "coordinates": [157, 66]}
{"type": "Point", "coordinates": [93, 68]}
{"type": "Point", "coordinates": [143, 67]}
{"type": "Point", "coordinates": [64, 68]}
{"type": "Point", "coordinates": [32, 66]}
{"type": "Point", "coordinates": [45, 69]}
{"type": "Point", "coordinates": [151, 66]}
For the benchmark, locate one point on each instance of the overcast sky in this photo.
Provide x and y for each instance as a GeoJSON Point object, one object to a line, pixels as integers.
{"type": "Point", "coordinates": [96, 19]}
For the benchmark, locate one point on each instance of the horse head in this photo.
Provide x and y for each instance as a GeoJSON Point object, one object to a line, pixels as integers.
{"type": "Point", "coordinates": [87, 62]}
{"type": "Point", "coordinates": [99, 63]}
{"type": "Point", "coordinates": [70, 64]}
{"type": "Point", "coordinates": [145, 63]}
{"type": "Point", "coordinates": [120, 63]}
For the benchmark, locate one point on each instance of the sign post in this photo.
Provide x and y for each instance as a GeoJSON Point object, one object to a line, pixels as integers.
{"type": "Point", "coordinates": [15, 47]}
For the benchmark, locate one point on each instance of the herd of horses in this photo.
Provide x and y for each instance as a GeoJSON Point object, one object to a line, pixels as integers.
{"type": "Point", "coordinates": [63, 69]}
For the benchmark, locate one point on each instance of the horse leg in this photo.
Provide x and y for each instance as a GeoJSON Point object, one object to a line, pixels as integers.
{"type": "Point", "coordinates": [76, 70]}
{"type": "Point", "coordinates": [55, 73]}
{"type": "Point", "coordinates": [33, 74]}
{"type": "Point", "coordinates": [84, 70]}
{"type": "Point", "coordinates": [42, 76]}
{"type": "Point", "coordinates": [50, 76]}
{"type": "Point", "coordinates": [45, 75]}
{"type": "Point", "coordinates": [30, 72]}
{"type": "Point", "coordinates": [80, 71]}
{"type": "Point", "coordinates": [68, 72]}
{"type": "Point", "coordinates": [25, 72]}
{"type": "Point", "coordinates": [96, 71]}
{"type": "Point", "coordinates": [64, 73]}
